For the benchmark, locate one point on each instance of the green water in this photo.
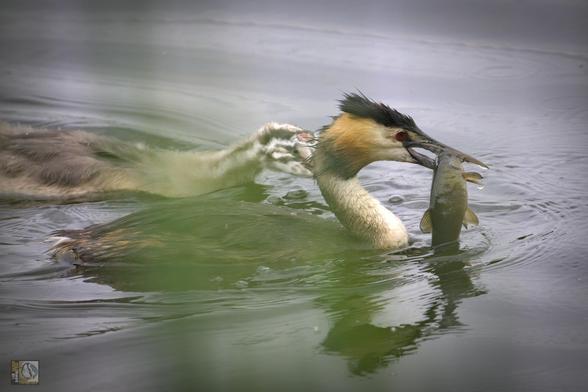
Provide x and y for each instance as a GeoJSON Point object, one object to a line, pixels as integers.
{"type": "Point", "coordinates": [258, 287]}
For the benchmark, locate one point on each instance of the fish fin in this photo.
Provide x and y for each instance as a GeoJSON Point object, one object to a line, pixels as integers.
{"type": "Point", "coordinates": [474, 177]}
{"type": "Point", "coordinates": [426, 225]}
{"type": "Point", "coordinates": [470, 218]}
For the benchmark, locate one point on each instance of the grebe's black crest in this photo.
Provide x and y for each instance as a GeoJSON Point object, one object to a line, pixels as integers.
{"type": "Point", "coordinates": [361, 106]}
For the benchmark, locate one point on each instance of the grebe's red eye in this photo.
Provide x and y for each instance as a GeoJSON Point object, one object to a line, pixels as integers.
{"type": "Point", "coordinates": [401, 136]}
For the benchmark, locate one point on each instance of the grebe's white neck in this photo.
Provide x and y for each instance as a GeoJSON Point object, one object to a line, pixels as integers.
{"type": "Point", "coordinates": [345, 147]}
{"type": "Point", "coordinates": [361, 213]}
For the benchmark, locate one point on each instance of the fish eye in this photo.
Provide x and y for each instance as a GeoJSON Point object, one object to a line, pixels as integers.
{"type": "Point", "coordinates": [401, 136]}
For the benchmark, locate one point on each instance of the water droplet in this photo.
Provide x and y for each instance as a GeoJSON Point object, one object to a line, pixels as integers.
{"type": "Point", "coordinates": [275, 200]}
{"type": "Point", "coordinates": [262, 269]}
{"type": "Point", "coordinates": [296, 195]}
{"type": "Point", "coordinates": [241, 284]}
{"type": "Point", "coordinates": [396, 199]}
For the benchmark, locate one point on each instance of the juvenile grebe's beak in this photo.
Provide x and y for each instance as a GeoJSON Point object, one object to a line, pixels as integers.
{"type": "Point", "coordinates": [421, 140]}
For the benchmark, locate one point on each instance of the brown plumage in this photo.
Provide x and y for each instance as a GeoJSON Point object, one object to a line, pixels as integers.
{"type": "Point", "coordinates": [351, 143]}
{"type": "Point", "coordinates": [62, 164]}
{"type": "Point", "coordinates": [73, 164]}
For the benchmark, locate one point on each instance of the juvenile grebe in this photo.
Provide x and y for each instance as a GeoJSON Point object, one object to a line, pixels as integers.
{"type": "Point", "coordinates": [44, 164]}
{"type": "Point", "coordinates": [365, 131]}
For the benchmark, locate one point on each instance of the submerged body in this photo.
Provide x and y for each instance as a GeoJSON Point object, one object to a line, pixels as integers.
{"type": "Point", "coordinates": [448, 209]}
{"type": "Point", "coordinates": [207, 241]}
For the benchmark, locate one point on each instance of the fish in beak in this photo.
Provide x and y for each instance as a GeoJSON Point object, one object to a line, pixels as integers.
{"type": "Point", "coordinates": [421, 140]}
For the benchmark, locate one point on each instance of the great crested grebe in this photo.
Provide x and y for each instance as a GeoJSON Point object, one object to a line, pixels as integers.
{"type": "Point", "coordinates": [73, 164]}
{"type": "Point", "coordinates": [365, 131]}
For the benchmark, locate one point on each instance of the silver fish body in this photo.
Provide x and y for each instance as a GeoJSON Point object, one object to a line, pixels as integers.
{"type": "Point", "coordinates": [448, 209]}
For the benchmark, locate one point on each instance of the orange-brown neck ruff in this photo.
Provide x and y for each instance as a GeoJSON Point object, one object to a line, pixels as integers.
{"type": "Point", "coordinates": [345, 146]}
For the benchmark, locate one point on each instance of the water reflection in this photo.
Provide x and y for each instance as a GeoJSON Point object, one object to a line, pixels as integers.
{"type": "Point", "coordinates": [356, 285]}
{"type": "Point", "coordinates": [367, 346]}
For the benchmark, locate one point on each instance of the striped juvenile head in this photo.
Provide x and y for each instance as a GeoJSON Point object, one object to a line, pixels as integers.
{"type": "Point", "coordinates": [286, 148]}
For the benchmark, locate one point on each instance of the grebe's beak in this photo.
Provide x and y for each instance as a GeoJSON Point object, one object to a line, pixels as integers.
{"type": "Point", "coordinates": [421, 140]}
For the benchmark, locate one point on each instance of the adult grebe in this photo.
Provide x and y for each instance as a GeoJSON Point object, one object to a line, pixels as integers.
{"type": "Point", "coordinates": [73, 164]}
{"type": "Point", "coordinates": [365, 131]}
